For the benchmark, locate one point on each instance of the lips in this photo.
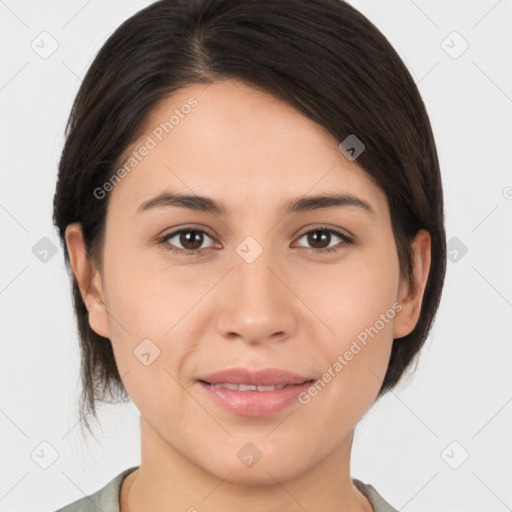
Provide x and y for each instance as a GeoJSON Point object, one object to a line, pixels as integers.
{"type": "Point", "coordinates": [254, 393]}
{"type": "Point", "coordinates": [264, 377]}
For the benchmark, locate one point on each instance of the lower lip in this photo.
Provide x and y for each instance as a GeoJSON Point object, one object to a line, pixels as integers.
{"type": "Point", "coordinates": [255, 403]}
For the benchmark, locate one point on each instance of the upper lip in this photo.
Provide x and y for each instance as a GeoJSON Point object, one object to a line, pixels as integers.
{"type": "Point", "coordinates": [263, 377]}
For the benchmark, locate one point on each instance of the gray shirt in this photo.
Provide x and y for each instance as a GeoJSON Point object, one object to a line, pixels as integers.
{"type": "Point", "coordinates": [107, 498]}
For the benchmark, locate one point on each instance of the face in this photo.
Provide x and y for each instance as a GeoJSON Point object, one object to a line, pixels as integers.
{"type": "Point", "coordinates": [307, 297]}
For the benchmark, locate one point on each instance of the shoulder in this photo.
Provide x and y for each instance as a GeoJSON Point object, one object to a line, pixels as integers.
{"type": "Point", "coordinates": [105, 499]}
{"type": "Point", "coordinates": [378, 503]}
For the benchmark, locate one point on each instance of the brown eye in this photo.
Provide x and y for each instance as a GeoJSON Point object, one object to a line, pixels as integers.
{"type": "Point", "coordinates": [190, 240]}
{"type": "Point", "coordinates": [320, 238]}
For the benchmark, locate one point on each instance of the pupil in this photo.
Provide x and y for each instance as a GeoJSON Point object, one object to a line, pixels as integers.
{"type": "Point", "coordinates": [186, 238]}
{"type": "Point", "coordinates": [314, 239]}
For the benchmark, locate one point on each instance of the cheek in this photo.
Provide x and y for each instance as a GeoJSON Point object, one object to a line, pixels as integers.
{"type": "Point", "coordinates": [150, 299]}
{"type": "Point", "coordinates": [358, 304]}
{"type": "Point", "coordinates": [150, 307]}
{"type": "Point", "coordinates": [352, 296]}
{"type": "Point", "coordinates": [147, 314]}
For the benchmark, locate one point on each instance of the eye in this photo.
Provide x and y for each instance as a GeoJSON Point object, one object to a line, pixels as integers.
{"type": "Point", "coordinates": [319, 236]}
{"type": "Point", "coordinates": [189, 238]}
{"type": "Point", "coordinates": [192, 239]}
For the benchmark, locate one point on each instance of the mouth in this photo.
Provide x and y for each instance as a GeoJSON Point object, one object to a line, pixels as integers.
{"type": "Point", "coordinates": [254, 393]}
{"type": "Point", "coordinates": [247, 387]}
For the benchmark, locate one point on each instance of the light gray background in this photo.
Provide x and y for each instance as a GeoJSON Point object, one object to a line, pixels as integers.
{"type": "Point", "coordinates": [462, 389]}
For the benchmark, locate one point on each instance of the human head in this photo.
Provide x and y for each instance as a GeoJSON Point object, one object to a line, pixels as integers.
{"type": "Point", "coordinates": [323, 58]}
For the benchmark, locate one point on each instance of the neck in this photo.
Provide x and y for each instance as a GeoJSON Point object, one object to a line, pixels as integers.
{"type": "Point", "coordinates": [167, 481]}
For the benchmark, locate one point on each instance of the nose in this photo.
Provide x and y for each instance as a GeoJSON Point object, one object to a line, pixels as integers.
{"type": "Point", "coordinates": [256, 303]}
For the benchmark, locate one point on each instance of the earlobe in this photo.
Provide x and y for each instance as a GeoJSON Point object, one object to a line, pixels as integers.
{"type": "Point", "coordinates": [89, 280]}
{"type": "Point", "coordinates": [411, 297]}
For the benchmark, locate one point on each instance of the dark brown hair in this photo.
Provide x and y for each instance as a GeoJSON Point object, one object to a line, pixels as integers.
{"type": "Point", "coordinates": [322, 57]}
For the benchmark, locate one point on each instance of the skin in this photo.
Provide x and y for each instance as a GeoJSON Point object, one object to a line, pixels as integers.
{"type": "Point", "coordinates": [291, 308]}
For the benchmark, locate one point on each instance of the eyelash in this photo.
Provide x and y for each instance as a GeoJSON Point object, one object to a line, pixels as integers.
{"type": "Point", "coordinates": [346, 241]}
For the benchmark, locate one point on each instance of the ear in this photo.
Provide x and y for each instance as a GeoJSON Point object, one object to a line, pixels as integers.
{"type": "Point", "coordinates": [410, 297]}
{"type": "Point", "coordinates": [89, 280]}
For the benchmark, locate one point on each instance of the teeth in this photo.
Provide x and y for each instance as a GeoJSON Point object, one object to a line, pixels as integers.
{"type": "Point", "coordinates": [247, 387]}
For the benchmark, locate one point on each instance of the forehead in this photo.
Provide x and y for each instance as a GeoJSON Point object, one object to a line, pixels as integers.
{"type": "Point", "coordinates": [240, 145]}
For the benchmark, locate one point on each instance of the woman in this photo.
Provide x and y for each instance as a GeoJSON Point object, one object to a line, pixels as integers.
{"type": "Point", "coordinates": [250, 201]}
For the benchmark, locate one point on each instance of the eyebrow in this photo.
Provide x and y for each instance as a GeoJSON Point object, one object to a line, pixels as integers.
{"type": "Point", "coordinates": [209, 205]}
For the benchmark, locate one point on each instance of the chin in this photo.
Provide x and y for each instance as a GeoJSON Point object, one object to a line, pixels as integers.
{"type": "Point", "coordinates": [261, 472]}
